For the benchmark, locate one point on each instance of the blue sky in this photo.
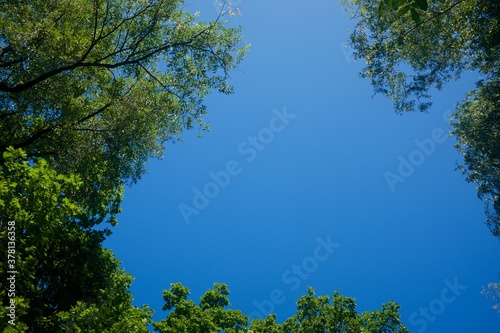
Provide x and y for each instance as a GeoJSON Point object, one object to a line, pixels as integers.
{"type": "Point", "coordinates": [294, 174]}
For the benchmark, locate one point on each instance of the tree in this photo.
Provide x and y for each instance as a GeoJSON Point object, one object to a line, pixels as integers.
{"type": "Point", "coordinates": [407, 58]}
{"type": "Point", "coordinates": [404, 59]}
{"type": "Point", "coordinates": [113, 313]}
{"type": "Point", "coordinates": [314, 314]}
{"type": "Point", "coordinates": [207, 317]}
{"type": "Point", "coordinates": [332, 314]}
{"type": "Point", "coordinates": [477, 128]}
{"type": "Point", "coordinates": [96, 87]}
{"type": "Point", "coordinates": [89, 91]}
{"type": "Point", "coordinates": [61, 271]}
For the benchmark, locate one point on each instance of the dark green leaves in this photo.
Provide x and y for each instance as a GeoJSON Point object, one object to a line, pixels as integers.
{"type": "Point", "coordinates": [416, 7]}
{"type": "Point", "coordinates": [407, 58]}
{"type": "Point", "coordinates": [415, 16]}
{"type": "Point", "coordinates": [422, 4]}
{"type": "Point", "coordinates": [476, 123]}
{"type": "Point", "coordinates": [401, 7]}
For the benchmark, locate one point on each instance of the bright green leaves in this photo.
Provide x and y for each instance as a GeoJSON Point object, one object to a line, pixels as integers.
{"type": "Point", "coordinates": [338, 314]}
{"type": "Point", "coordinates": [175, 296]}
{"type": "Point", "coordinates": [314, 314]}
{"type": "Point", "coordinates": [215, 298]}
{"type": "Point", "coordinates": [209, 316]}
{"type": "Point", "coordinates": [59, 260]}
{"type": "Point", "coordinates": [385, 320]}
{"type": "Point", "coordinates": [22, 309]}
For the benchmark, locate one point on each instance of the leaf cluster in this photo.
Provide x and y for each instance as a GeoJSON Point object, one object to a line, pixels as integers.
{"type": "Point", "coordinates": [407, 59]}
{"type": "Point", "coordinates": [208, 316]}
{"type": "Point", "coordinates": [335, 313]}
{"type": "Point", "coordinates": [97, 87]}
{"type": "Point", "coordinates": [60, 264]}
{"type": "Point", "coordinates": [476, 124]}
{"type": "Point", "coordinates": [402, 7]}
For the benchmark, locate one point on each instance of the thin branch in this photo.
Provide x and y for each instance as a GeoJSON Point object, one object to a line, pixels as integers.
{"type": "Point", "coordinates": [80, 63]}
{"type": "Point", "coordinates": [41, 133]}
{"type": "Point", "coordinates": [4, 64]}
{"type": "Point", "coordinates": [97, 130]}
{"type": "Point", "coordinates": [429, 19]}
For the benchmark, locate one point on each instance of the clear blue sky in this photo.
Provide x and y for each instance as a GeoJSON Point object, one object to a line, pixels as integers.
{"type": "Point", "coordinates": [295, 191]}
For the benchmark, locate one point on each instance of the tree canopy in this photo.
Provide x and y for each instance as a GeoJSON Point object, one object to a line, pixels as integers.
{"type": "Point", "coordinates": [413, 48]}
{"type": "Point", "coordinates": [332, 314]}
{"type": "Point", "coordinates": [89, 91]}
{"type": "Point", "coordinates": [476, 123]}
{"type": "Point", "coordinates": [208, 316]}
{"type": "Point", "coordinates": [96, 87]}
{"type": "Point", "coordinates": [405, 59]}
{"type": "Point", "coordinates": [314, 314]}
{"type": "Point", "coordinates": [62, 272]}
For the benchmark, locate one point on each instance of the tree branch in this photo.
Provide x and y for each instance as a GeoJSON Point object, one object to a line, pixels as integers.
{"type": "Point", "coordinates": [128, 61]}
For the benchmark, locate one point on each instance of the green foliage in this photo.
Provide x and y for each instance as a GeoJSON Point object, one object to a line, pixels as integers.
{"type": "Point", "coordinates": [406, 58]}
{"type": "Point", "coordinates": [113, 313]}
{"type": "Point", "coordinates": [402, 7]}
{"type": "Point", "coordinates": [332, 314]}
{"type": "Point", "coordinates": [314, 314]}
{"type": "Point", "coordinates": [97, 87]}
{"type": "Point", "coordinates": [89, 91]}
{"type": "Point", "coordinates": [209, 316]}
{"type": "Point", "coordinates": [476, 123]}
{"type": "Point", "coordinates": [60, 263]}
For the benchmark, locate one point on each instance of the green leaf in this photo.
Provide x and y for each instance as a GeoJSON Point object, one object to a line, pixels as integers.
{"type": "Point", "coordinates": [422, 4]}
{"type": "Point", "coordinates": [404, 10]}
{"type": "Point", "coordinates": [415, 15]}
{"type": "Point", "coordinates": [382, 9]}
